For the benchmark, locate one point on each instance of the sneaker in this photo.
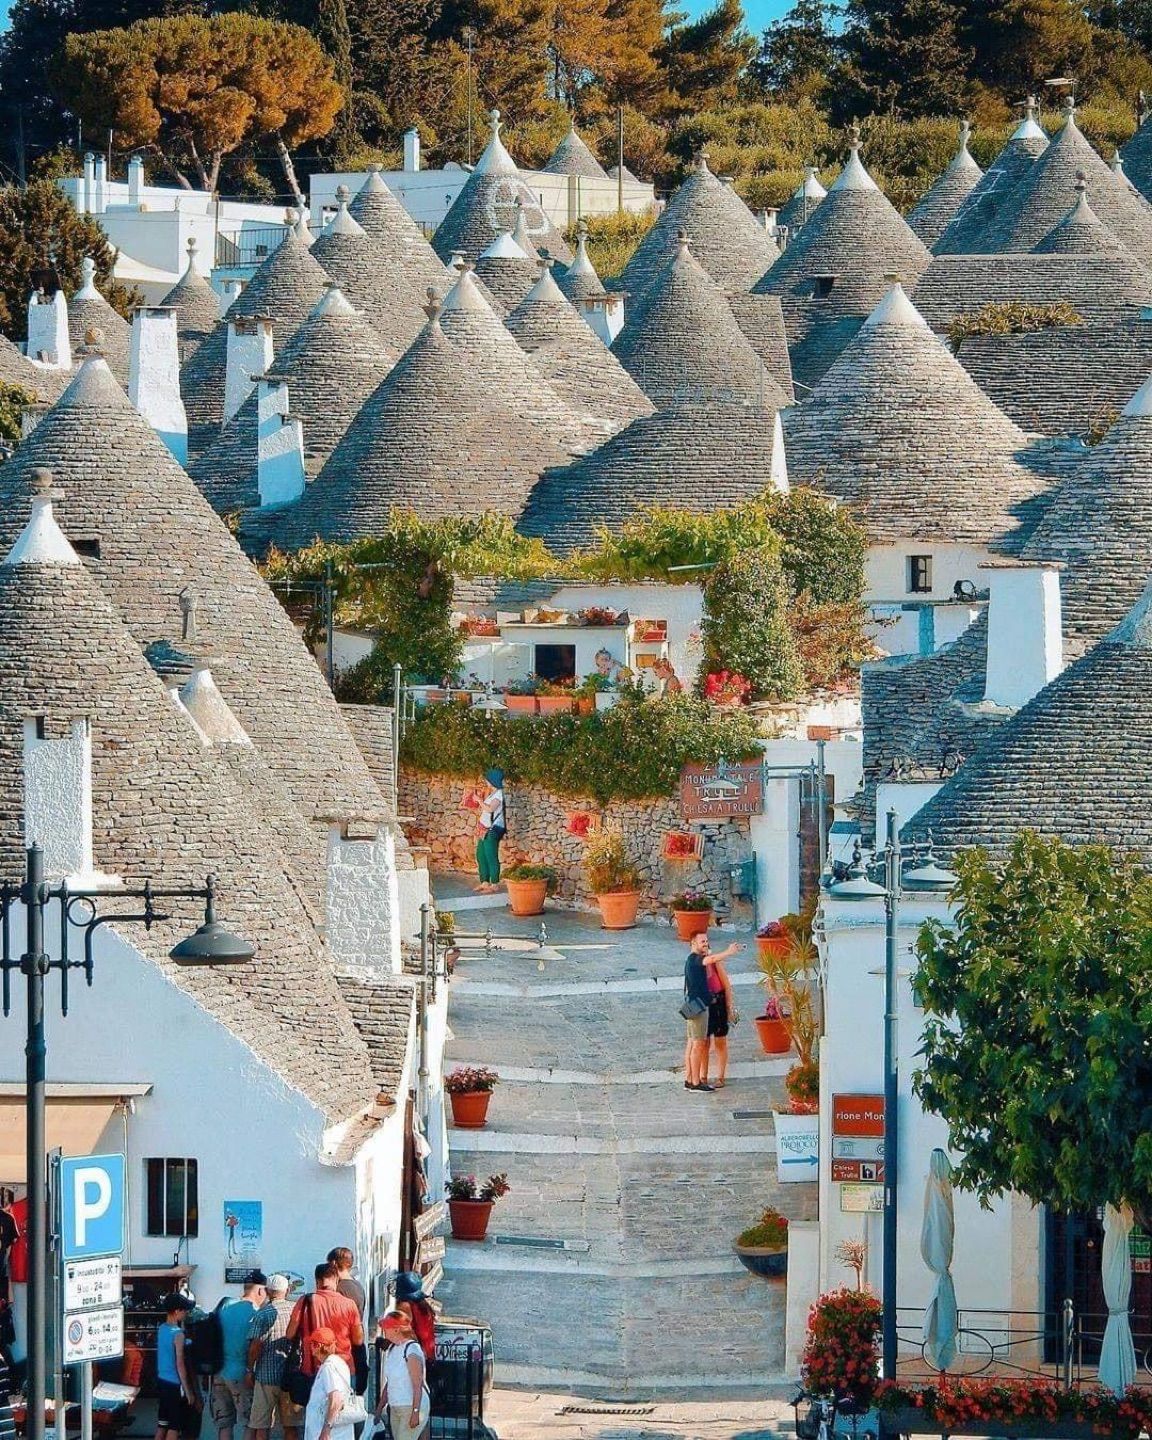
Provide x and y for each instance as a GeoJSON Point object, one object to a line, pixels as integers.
{"type": "Point", "coordinates": [708, 1089]}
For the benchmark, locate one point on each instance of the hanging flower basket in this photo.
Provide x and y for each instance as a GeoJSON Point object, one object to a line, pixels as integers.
{"type": "Point", "coordinates": [683, 845]}
{"type": "Point", "coordinates": [582, 823]}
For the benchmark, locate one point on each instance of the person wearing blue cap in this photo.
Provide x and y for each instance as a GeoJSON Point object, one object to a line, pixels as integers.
{"type": "Point", "coordinates": [492, 828]}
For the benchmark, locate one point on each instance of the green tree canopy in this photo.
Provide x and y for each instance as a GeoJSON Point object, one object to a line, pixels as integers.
{"type": "Point", "coordinates": [745, 628]}
{"type": "Point", "coordinates": [1036, 1047]}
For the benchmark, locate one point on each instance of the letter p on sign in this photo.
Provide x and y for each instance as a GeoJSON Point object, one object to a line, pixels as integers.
{"type": "Point", "coordinates": [92, 1205]}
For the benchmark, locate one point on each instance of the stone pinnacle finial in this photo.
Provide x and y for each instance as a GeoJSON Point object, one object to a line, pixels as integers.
{"type": "Point", "coordinates": [187, 599]}
{"type": "Point", "coordinates": [191, 247]}
{"type": "Point", "coordinates": [1070, 106]}
{"type": "Point", "coordinates": [702, 159]}
{"type": "Point", "coordinates": [582, 230]}
{"type": "Point", "coordinates": [40, 483]}
{"type": "Point", "coordinates": [683, 243]}
{"type": "Point", "coordinates": [374, 169]}
{"type": "Point", "coordinates": [1031, 107]}
{"type": "Point", "coordinates": [965, 134]}
{"type": "Point", "coordinates": [94, 339]}
{"type": "Point", "coordinates": [343, 194]}
{"type": "Point", "coordinates": [854, 136]}
{"type": "Point", "coordinates": [432, 309]}
{"type": "Point", "coordinates": [291, 215]}
{"type": "Point", "coordinates": [494, 116]}
{"type": "Point", "coordinates": [1081, 184]}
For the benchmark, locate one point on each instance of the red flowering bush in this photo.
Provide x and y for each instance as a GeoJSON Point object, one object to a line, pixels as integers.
{"type": "Point", "coordinates": [841, 1354]}
{"type": "Point", "coordinates": [953, 1404]}
{"type": "Point", "coordinates": [726, 687]}
{"type": "Point", "coordinates": [579, 824]}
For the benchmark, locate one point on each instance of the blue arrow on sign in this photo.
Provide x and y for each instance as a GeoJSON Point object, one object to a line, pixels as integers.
{"type": "Point", "coordinates": [802, 1160]}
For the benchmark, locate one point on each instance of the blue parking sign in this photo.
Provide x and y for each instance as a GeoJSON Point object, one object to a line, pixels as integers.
{"type": "Point", "coordinates": [92, 1205]}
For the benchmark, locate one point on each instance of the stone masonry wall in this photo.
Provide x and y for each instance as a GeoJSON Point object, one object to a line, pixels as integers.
{"type": "Point", "coordinates": [537, 831]}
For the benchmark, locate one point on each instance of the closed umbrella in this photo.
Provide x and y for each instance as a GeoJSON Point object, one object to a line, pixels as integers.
{"type": "Point", "coordinates": [1117, 1357]}
{"type": "Point", "coordinates": [936, 1240]}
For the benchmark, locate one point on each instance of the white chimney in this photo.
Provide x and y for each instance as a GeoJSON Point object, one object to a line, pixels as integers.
{"type": "Point", "coordinates": [1025, 646]}
{"type": "Point", "coordinates": [86, 189]}
{"type": "Point", "coordinates": [99, 186]}
{"type": "Point", "coordinates": [280, 445]}
{"type": "Point", "coordinates": [154, 376]}
{"type": "Point", "coordinates": [229, 289]}
{"type": "Point", "coordinates": [48, 342]}
{"type": "Point", "coordinates": [411, 150]}
{"type": "Point", "coordinates": [362, 909]}
{"type": "Point", "coordinates": [778, 468]}
{"type": "Point", "coordinates": [136, 181]}
{"type": "Point", "coordinates": [58, 797]}
{"type": "Point", "coordinates": [249, 355]}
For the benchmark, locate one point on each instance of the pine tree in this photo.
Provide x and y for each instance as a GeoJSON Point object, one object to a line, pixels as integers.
{"type": "Point", "coordinates": [904, 57]}
{"type": "Point", "coordinates": [706, 57]}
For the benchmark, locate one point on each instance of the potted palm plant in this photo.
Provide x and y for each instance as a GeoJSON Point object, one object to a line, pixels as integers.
{"type": "Point", "coordinates": [470, 1204]}
{"type": "Point", "coordinates": [469, 1090]}
{"type": "Point", "coordinates": [787, 970]}
{"type": "Point", "coordinates": [692, 912]}
{"type": "Point", "coordinates": [613, 878]}
{"type": "Point", "coordinates": [763, 1247]}
{"type": "Point", "coordinates": [529, 886]}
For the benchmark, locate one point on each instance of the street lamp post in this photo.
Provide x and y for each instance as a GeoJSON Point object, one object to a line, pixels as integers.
{"type": "Point", "coordinates": [210, 945]}
{"type": "Point", "coordinates": [927, 877]}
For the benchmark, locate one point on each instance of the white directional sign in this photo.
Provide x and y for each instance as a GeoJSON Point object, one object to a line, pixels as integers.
{"type": "Point", "coordinates": [92, 1284]}
{"type": "Point", "coordinates": [797, 1147]}
{"type": "Point", "coordinates": [94, 1335]}
{"type": "Point", "coordinates": [851, 1147]}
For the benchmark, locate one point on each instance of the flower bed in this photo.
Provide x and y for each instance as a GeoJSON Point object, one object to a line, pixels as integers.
{"type": "Point", "coordinates": [1015, 1408]}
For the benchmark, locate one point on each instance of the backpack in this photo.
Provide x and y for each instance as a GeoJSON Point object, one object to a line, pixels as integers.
{"type": "Point", "coordinates": [204, 1340]}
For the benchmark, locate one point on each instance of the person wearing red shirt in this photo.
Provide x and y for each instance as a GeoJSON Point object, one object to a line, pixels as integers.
{"type": "Point", "coordinates": [326, 1308]}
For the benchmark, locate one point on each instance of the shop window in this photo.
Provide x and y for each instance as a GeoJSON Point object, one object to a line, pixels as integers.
{"type": "Point", "coordinates": [173, 1197]}
{"type": "Point", "coordinates": [919, 574]}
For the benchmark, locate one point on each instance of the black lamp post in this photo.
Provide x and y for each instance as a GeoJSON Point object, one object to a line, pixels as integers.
{"type": "Point", "coordinates": [925, 876]}
{"type": "Point", "coordinates": [210, 945]}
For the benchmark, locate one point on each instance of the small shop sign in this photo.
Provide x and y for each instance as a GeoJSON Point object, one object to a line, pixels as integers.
{"type": "Point", "coordinates": [861, 1199]}
{"type": "Point", "coordinates": [721, 791]}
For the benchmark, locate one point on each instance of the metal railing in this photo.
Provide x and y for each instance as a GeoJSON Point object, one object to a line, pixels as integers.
{"type": "Point", "coordinates": [249, 246]}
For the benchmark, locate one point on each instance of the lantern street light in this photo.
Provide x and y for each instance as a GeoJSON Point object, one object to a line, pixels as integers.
{"type": "Point", "coordinates": [210, 945]}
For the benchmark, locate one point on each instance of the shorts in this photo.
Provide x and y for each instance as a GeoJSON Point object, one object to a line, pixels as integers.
{"type": "Point", "coordinates": [270, 1402]}
{"type": "Point", "coordinates": [171, 1407]}
{"type": "Point", "coordinates": [718, 1016]}
{"type": "Point", "coordinates": [229, 1404]}
{"type": "Point", "coordinates": [698, 1026]}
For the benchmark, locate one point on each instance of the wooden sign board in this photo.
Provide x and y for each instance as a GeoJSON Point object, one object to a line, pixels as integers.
{"type": "Point", "coordinates": [857, 1172]}
{"type": "Point", "coordinates": [429, 1218]}
{"type": "Point", "coordinates": [720, 791]}
{"type": "Point", "coordinates": [430, 1250]}
{"type": "Point", "coordinates": [861, 1115]}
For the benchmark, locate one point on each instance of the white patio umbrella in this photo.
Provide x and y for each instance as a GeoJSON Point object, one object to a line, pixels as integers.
{"type": "Point", "coordinates": [1117, 1356]}
{"type": "Point", "coordinates": [936, 1240]}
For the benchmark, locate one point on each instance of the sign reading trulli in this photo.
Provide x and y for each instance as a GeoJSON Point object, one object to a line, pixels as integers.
{"type": "Point", "coordinates": [722, 790]}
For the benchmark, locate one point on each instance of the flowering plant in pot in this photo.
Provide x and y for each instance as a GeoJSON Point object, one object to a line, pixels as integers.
{"type": "Point", "coordinates": [787, 972]}
{"type": "Point", "coordinates": [763, 1247]}
{"type": "Point", "coordinates": [803, 1085]}
{"type": "Point", "coordinates": [520, 694]}
{"type": "Point", "coordinates": [976, 1405]}
{"type": "Point", "coordinates": [726, 687]}
{"type": "Point", "coordinates": [774, 1027]}
{"type": "Point", "coordinates": [613, 878]}
{"type": "Point", "coordinates": [555, 696]}
{"type": "Point", "coordinates": [469, 1089]}
{"type": "Point", "coordinates": [529, 886]}
{"type": "Point", "coordinates": [691, 911]}
{"type": "Point", "coordinates": [470, 1204]}
{"type": "Point", "coordinates": [772, 940]}
{"type": "Point", "coordinates": [841, 1356]}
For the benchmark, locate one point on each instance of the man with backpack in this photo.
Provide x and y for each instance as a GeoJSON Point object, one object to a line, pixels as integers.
{"type": "Point", "coordinates": [231, 1397]}
{"type": "Point", "coordinates": [326, 1308]}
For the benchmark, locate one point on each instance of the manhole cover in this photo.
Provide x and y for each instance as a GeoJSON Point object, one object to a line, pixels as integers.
{"type": "Point", "coordinates": [628, 1410]}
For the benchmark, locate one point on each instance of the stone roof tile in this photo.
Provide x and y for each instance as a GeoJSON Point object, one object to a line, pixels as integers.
{"type": "Point", "coordinates": [1136, 157]}
{"type": "Point", "coordinates": [964, 232]}
{"type": "Point", "coordinates": [196, 304]}
{"type": "Point", "coordinates": [398, 238]}
{"type": "Point", "coordinates": [1080, 231]}
{"type": "Point", "coordinates": [16, 369]}
{"type": "Point", "coordinates": [573, 157]}
{"type": "Point", "coordinates": [801, 205]}
{"type": "Point", "coordinates": [930, 215]}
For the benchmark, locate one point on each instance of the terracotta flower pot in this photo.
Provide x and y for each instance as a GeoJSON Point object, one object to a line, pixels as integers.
{"type": "Point", "coordinates": [520, 704]}
{"type": "Point", "coordinates": [470, 1108]}
{"type": "Point", "coordinates": [526, 897]}
{"type": "Point", "coordinates": [775, 1035]}
{"type": "Point", "coordinates": [773, 947]}
{"type": "Point", "coordinates": [462, 697]}
{"type": "Point", "coordinates": [470, 1218]}
{"type": "Point", "coordinates": [585, 704]}
{"type": "Point", "coordinates": [618, 912]}
{"type": "Point", "coordinates": [435, 697]}
{"type": "Point", "coordinates": [555, 704]}
{"type": "Point", "coordinates": [691, 922]}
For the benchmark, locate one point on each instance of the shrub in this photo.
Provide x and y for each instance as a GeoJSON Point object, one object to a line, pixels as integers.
{"type": "Point", "coordinates": [14, 402]}
{"type": "Point", "coordinates": [691, 899]}
{"type": "Point", "coordinates": [803, 1082]}
{"type": "Point", "coordinates": [634, 751]}
{"type": "Point", "coordinates": [1011, 317]}
{"type": "Point", "coordinates": [464, 1187]}
{"type": "Point", "coordinates": [534, 872]}
{"type": "Point", "coordinates": [745, 626]}
{"type": "Point", "coordinates": [608, 867]}
{"type": "Point", "coordinates": [770, 1232]}
{"type": "Point", "coordinates": [613, 239]}
{"type": "Point", "coordinates": [841, 1357]}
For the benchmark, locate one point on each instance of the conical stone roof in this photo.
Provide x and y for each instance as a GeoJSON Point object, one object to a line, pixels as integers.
{"type": "Point", "coordinates": [451, 272]}
{"type": "Point", "coordinates": [695, 456]}
{"type": "Point", "coordinates": [930, 215]}
{"type": "Point", "coordinates": [486, 207]}
{"type": "Point", "coordinates": [802, 203]}
{"type": "Point", "coordinates": [500, 364]}
{"type": "Point", "coordinates": [580, 367]}
{"type": "Point", "coordinates": [1137, 159]}
{"type": "Point", "coordinates": [964, 233]}
{"type": "Point", "coordinates": [839, 267]}
{"type": "Point", "coordinates": [1080, 232]}
{"type": "Point", "coordinates": [1074, 764]}
{"type": "Point", "coordinates": [196, 304]}
{"type": "Point", "coordinates": [332, 364]}
{"type": "Point", "coordinates": [434, 438]}
{"type": "Point", "coordinates": [507, 270]}
{"type": "Point", "coordinates": [1099, 526]}
{"type": "Point", "coordinates": [629, 178]}
{"type": "Point", "coordinates": [1047, 191]}
{"type": "Point", "coordinates": [389, 300]}
{"type": "Point", "coordinates": [285, 286]}
{"type": "Point", "coordinates": [681, 342]}
{"type": "Point", "coordinates": [88, 311]}
{"type": "Point", "coordinates": [164, 809]}
{"type": "Point", "coordinates": [573, 157]}
{"type": "Point", "coordinates": [899, 429]}
{"type": "Point", "coordinates": [157, 536]}
{"type": "Point", "coordinates": [398, 238]}
{"type": "Point", "coordinates": [580, 280]}
{"type": "Point", "coordinates": [16, 369]}
{"type": "Point", "coordinates": [727, 240]}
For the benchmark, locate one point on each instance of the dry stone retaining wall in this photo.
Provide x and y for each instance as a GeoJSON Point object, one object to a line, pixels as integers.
{"type": "Point", "coordinates": [537, 831]}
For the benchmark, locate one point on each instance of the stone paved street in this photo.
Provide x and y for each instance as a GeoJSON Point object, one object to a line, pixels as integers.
{"type": "Point", "coordinates": [608, 1269]}
{"type": "Point", "coordinates": [531, 1415]}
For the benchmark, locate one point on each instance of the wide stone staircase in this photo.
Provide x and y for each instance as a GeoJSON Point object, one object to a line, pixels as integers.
{"type": "Point", "coordinates": [609, 1267]}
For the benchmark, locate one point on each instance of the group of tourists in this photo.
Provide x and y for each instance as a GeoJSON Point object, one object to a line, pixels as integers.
{"type": "Point", "coordinates": [268, 1361]}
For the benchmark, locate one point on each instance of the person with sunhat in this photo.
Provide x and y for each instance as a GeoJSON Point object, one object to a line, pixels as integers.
{"type": "Point", "coordinates": [409, 1297]}
{"type": "Point", "coordinates": [491, 829]}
